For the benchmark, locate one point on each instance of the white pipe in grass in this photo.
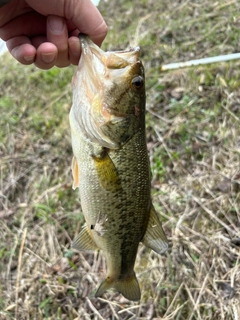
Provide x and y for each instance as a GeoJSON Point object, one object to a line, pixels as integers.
{"type": "Point", "coordinates": [197, 62]}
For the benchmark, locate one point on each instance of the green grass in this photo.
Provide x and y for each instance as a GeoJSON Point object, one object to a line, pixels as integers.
{"type": "Point", "coordinates": [193, 130]}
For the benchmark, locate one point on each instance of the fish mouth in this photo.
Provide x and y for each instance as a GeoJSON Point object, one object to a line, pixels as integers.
{"type": "Point", "coordinates": [101, 69]}
{"type": "Point", "coordinates": [111, 60]}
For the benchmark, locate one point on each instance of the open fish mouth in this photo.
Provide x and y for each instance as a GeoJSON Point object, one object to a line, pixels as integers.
{"type": "Point", "coordinates": [112, 60]}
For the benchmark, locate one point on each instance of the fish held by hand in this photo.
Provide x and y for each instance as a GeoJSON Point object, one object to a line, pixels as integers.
{"type": "Point", "coordinates": [110, 164]}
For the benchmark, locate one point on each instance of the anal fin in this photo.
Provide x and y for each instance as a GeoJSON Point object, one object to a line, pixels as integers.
{"type": "Point", "coordinates": [84, 241]}
{"type": "Point", "coordinates": [155, 237]}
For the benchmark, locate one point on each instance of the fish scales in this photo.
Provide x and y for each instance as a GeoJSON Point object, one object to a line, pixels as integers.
{"type": "Point", "coordinates": [126, 210]}
{"type": "Point", "coordinates": [111, 165]}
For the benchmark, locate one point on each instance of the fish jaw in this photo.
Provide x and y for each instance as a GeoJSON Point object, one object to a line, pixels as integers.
{"type": "Point", "coordinates": [102, 87]}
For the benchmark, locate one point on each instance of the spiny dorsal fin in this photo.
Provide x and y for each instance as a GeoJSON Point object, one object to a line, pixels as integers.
{"type": "Point", "coordinates": [154, 237]}
{"type": "Point", "coordinates": [84, 241]}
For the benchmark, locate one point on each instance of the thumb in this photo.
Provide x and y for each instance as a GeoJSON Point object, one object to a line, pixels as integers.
{"type": "Point", "coordinates": [81, 13]}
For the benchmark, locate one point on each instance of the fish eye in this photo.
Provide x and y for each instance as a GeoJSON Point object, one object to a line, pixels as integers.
{"type": "Point", "coordinates": [137, 83]}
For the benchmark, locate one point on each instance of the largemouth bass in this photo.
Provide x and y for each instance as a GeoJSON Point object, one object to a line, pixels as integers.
{"type": "Point", "coordinates": [110, 164]}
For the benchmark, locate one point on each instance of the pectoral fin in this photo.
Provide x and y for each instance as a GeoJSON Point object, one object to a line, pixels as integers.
{"type": "Point", "coordinates": [75, 173]}
{"type": "Point", "coordinates": [84, 241]}
{"type": "Point", "coordinates": [107, 173]}
{"type": "Point", "coordinates": [154, 237]}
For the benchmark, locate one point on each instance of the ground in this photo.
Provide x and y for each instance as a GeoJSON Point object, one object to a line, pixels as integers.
{"type": "Point", "coordinates": [193, 136]}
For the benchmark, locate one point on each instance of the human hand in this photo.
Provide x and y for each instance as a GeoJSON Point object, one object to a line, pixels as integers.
{"type": "Point", "coordinates": [45, 32]}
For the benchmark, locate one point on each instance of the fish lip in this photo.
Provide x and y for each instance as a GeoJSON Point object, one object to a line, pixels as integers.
{"type": "Point", "coordinates": [111, 60]}
{"type": "Point", "coordinates": [87, 44]}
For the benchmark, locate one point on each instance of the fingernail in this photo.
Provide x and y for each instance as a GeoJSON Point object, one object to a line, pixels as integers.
{"type": "Point", "coordinates": [47, 57]}
{"type": "Point", "coordinates": [56, 24]}
{"type": "Point", "coordinates": [14, 52]}
{"type": "Point", "coordinates": [29, 58]}
{"type": "Point", "coordinates": [75, 47]}
{"type": "Point", "coordinates": [17, 56]}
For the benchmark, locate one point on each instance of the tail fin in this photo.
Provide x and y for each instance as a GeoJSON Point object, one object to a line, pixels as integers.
{"type": "Point", "coordinates": [129, 287]}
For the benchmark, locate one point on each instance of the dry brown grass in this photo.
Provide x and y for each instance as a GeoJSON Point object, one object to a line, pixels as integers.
{"type": "Point", "coordinates": [193, 132]}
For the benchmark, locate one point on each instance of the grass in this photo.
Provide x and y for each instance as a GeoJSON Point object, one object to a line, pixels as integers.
{"type": "Point", "coordinates": [193, 130]}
